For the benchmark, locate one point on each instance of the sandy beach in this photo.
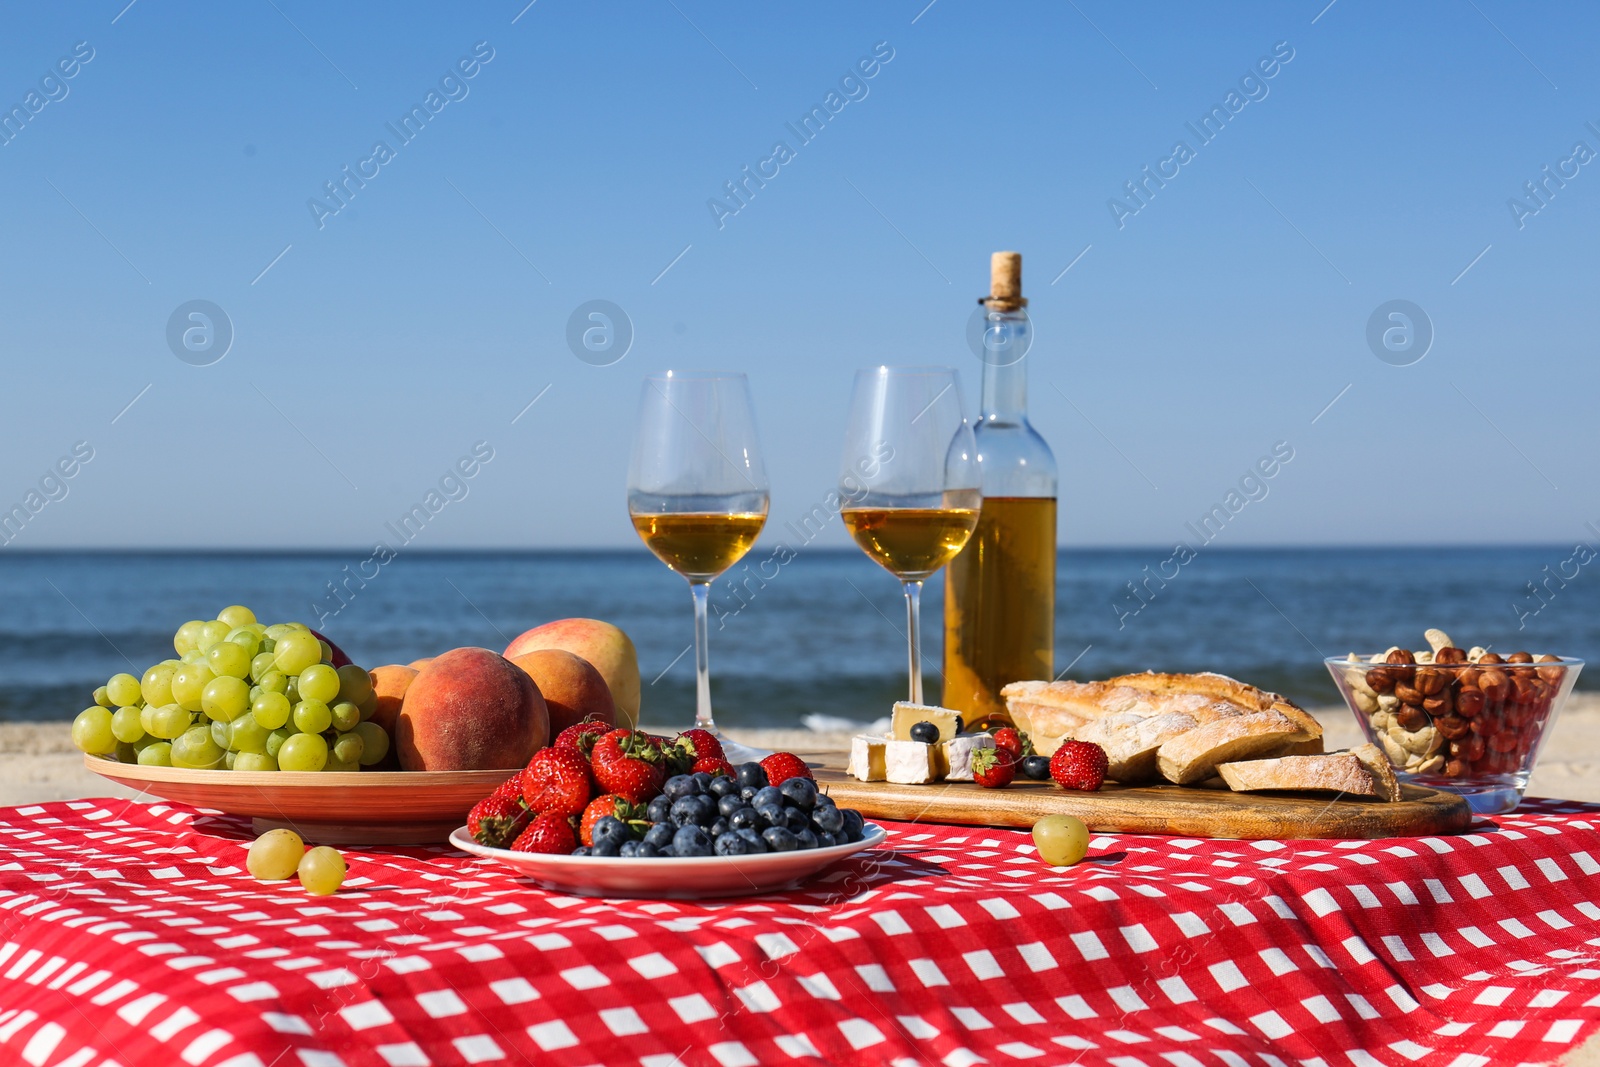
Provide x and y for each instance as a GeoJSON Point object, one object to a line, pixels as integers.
{"type": "Point", "coordinates": [38, 762]}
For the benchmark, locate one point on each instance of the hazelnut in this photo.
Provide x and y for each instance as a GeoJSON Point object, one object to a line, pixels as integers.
{"type": "Point", "coordinates": [1520, 657]}
{"type": "Point", "coordinates": [1456, 768]}
{"type": "Point", "coordinates": [1495, 685]}
{"type": "Point", "coordinates": [1548, 659]}
{"type": "Point", "coordinates": [1452, 727]}
{"type": "Point", "coordinates": [1469, 748]}
{"type": "Point", "coordinates": [1401, 655]}
{"type": "Point", "coordinates": [1407, 694]}
{"type": "Point", "coordinates": [1450, 655]}
{"type": "Point", "coordinates": [1504, 741]}
{"type": "Point", "coordinates": [1469, 702]}
{"type": "Point", "coordinates": [1468, 677]}
{"type": "Point", "coordinates": [1484, 725]}
{"type": "Point", "coordinates": [1411, 717]}
{"type": "Point", "coordinates": [1430, 680]}
{"type": "Point", "coordinates": [1442, 704]}
{"type": "Point", "coordinates": [1490, 658]}
{"type": "Point", "coordinates": [1380, 680]}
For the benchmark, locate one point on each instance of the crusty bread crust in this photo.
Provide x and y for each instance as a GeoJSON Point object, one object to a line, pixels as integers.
{"type": "Point", "coordinates": [1377, 765]}
{"type": "Point", "coordinates": [1197, 753]}
{"type": "Point", "coordinates": [1333, 772]}
{"type": "Point", "coordinates": [1132, 741]}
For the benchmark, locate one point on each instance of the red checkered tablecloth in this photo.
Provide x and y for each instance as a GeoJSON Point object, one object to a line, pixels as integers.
{"type": "Point", "coordinates": [130, 934]}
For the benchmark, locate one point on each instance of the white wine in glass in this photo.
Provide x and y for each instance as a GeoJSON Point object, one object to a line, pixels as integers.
{"type": "Point", "coordinates": [697, 489]}
{"type": "Point", "coordinates": [910, 477]}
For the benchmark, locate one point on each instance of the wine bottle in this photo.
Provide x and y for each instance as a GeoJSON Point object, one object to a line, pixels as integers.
{"type": "Point", "coordinates": [1000, 592]}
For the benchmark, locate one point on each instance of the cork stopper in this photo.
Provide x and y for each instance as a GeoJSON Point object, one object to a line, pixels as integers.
{"type": "Point", "coordinates": [1005, 282]}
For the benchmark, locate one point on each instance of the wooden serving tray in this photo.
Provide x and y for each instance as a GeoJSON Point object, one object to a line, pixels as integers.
{"type": "Point", "coordinates": [326, 807]}
{"type": "Point", "coordinates": [1154, 809]}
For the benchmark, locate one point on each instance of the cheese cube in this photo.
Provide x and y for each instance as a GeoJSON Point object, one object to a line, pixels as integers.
{"type": "Point", "coordinates": [906, 715]}
{"type": "Point", "coordinates": [958, 753]}
{"type": "Point", "coordinates": [912, 762]}
{"type": "Point", "coordinates": [866, 758]}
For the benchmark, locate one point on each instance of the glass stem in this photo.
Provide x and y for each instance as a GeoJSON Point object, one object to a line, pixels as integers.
{"type": "Point", "coordinates": [702, 656]}
{"type": "Point", "coordinates": [914, 637]}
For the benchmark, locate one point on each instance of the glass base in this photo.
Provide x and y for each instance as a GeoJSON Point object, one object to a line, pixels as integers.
{"type": "Point", "coordinates": [1485, 794]}
{"type": "Point", "coordinates": [735, 753]}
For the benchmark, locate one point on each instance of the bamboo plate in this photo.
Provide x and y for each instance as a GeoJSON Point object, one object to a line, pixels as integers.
{"type": "Point", "coordinates": [332, 807]}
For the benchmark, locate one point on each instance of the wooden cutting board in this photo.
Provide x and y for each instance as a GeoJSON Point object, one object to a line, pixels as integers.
{"type": "Point", "coordinates": [1156, 809]}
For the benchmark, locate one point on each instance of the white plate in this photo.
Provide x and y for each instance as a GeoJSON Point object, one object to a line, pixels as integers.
{"type": "Point", "coordinates": [670, 876]}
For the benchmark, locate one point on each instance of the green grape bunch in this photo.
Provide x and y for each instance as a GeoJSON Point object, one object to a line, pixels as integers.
{"type": "Point", "coordinates": [240, 696]}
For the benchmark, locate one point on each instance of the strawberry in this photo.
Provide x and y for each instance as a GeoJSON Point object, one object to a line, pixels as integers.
{"type": "Point", "coordinates": [781, 766]}
{"type": "Point", "coordinates": [714, 765]}
{"type": "Point", "coordinates": [629, 763]}
{"type": "Point", "coordinates": [1014, 740]}
{"type": "Point", "coordinates": [511, 787]}
{"type": "Point", "coordinates": [1079, 765]}
{"type": "Point", "coordinates": [993, 767]}
{"type": "Point", "coordinates": [557, 780]}
{"type": "Point", "coordinates": [548, 833]}
{"type": "Point", "coordinates": [599, 808]}
{"type": "Point", "coordinates": [700, 744]}
{"type": "Point", "coordinates": [497, 820]}
{"type": "Point", "coordinates": [580, 737]}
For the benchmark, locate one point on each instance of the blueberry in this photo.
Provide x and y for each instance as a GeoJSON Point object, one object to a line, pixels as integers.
{"type": "Point", "coordinates": [685, 811]}
{"type": "Point", "coordinates": [780, 840]}
{"type": "Point", "coordinates": [1036, 767]}
{"type": "Point", "coordinates": [795, 819]}
{"type": "Point", "coordinates": [754, 839]}
{"type": "Point", "coordinates": [660, 835]}
{"type": "Point", "coordinates": [806, 838]}
{"type": "Point", "coordinates": [826, 840]}
{"type": "Point", "coordinates": [610, 827]}
{"type": "Point", "coordinates": [730, 804]}
{"type": "Point", "coordinates": [659, 809]}
{"type": "Point", "coordinates": [581, 850]}
{"type": "Point", "coordinates": [679, 785]}
{"type": "Point", "coordinates": [925, 732]}
{"type": "Point", "coordinates": [611, 846]}
{"type": "Point", "coordinates": [744, 818]}
{"type": "Point", "coordinates": [747, 793]}
{"type": "Point", "coordinates": [722, 786]}
{"type": "Point", "coordinates": [827, 818]}
{"type": "Point", "coordinates": [702, 781]}
{"type": "Point", "coordinates": [770, 815]}
{"type": "Point", "coordinates": [853, 824]}
{"type": "Point", "coordinates": [752, 775]}
{"type": "Point", "coordinates": [719, 827]}
{"type": "Point", "coordinates": [648, 851]}
{"type": "Point", "coordinates": [732, 845]}
{"type": "Point", "coordinates": [708, 810]}
{"type": "Point", "coordinates": [801, 792]}
{"type": "Point", "coordinates": [691, 841]}
{"type": "Point", "coordinates": [767, 795]}
{"type": "Point", "coordinates": [630, 849]}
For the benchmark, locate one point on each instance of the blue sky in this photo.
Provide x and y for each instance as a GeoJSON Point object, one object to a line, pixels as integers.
{"type": "Point", "coordinates": [371, 353]}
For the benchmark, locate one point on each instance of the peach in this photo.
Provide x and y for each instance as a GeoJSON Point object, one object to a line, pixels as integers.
{"type": "Point", "coordinates": [605, 646]}
{"type": "Point", "coordinates": [470, 710]}
{"type": "Point", "coordinates": [389, 684]}
{"type": "Point", "coordinates": [573, 690]}
{"type": "Point", "coordinates": [418, 664]}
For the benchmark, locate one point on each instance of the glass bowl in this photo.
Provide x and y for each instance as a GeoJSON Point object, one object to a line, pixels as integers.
{"type": "Point", "coordinates": [1473, 729]}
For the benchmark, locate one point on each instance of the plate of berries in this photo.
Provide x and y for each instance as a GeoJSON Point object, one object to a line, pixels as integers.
{"type": "Point", "coordinates": [587, 818]}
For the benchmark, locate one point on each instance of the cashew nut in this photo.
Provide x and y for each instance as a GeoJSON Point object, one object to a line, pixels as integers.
{"type": "Point", "coordinates": [1437, 639]}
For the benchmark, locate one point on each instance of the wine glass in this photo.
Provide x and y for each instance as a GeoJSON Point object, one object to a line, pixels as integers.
{"type": "Point", "coordinates": [910, 480]}
{"type": "Point", "coordinates": [697, 490]}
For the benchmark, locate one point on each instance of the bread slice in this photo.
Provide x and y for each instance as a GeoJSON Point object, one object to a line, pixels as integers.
{"type": "Point", "coordinates": [1196, 754]}
{"type": "Point", "coordinates": [1377, 765]}
{"type": "Point", "coordinates": [1333, 772]}
{"type": "Point", "coordinates": [1131, 742]}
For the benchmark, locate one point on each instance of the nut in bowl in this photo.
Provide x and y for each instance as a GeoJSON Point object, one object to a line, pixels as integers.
{"type": "Point", "coordinates": [1468, 721]}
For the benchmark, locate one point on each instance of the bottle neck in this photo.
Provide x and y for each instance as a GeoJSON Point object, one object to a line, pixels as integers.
{"type": "Point", "coordinates": [1007, 337]}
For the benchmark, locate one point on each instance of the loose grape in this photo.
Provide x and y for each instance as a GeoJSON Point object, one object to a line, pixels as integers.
{"type": "Point", "coordinates": [1062, 840]}
{"type": "Point", "coordinates": [221, 733]}
{"type": "Point", "coordinates": [247, 735]}
{"type": "Point", "coordinates": [273, 681]}
{"type": "Point", "coordinates": [312, 716]}
{"type": "Point", "coordinates": [348, 748]}
{"type": "Point", "coordinates": [127, 724]}
{"type": "Point", "coordinates": [228, 660]}
{"type": "Point", "coordinates": [188, 637]}
{"type": "Point", "coordinates": [156, 755]}
{"type": "Point", "coordinates": [374, 743]}
{"type": "Point", "coordinates": [275, 855]}
{"type": "Point", "coordinates": [322, 871]}
{"type": "Point", "coordinates": [369, 706]}
{"type": "Point", "coordinates": [334, 765]}
{"type": "Point", "coordinates": [297, 651]}
{"type": "Point", "coordinates": [254, 761]}
{"type": "Point", "coordinates": [298, 626]}
{"type": "Point", "coordinates": [188, 683]}
{"type": "Point", "coordinates": [194, 655]}
{"type": "Point", "coordinates": [327, 651]}
{"type": "Point", "coordinates": [227, 759]}
{"type": "Point", "coordinates": [319, 682]}
{"type": "Point", "coordinates": [211, 633]}
{"type": "Point", "coordinates": [194, 749]}
{"type": "Point", "coordinates": [277, 630]}
{"type": "Point", "coordinates": [102, 698]}
{"type": "Point", "coordinates": [276, 739]}
{"type": "Point", "coordinates": [236, 615]}
{"type": "Point", "coordinates": [355, 684]}
{"type": "Point", "coordinates": [262, 664]}
{"type": "Point", "coordinates": [303, 752]}
{"type": "Point", "coordinates": [225, 698]}
{"type": "Point", "coordinates": [126, 753]}
{"type": "Point", "coordinates": [292, 691]}
{"type": "Point", "coordinates": [245, 638]}
{"type": "Point", "coordinates": [145, 719]}
{"type": "Point", "coordinates": [345, 716]}
{"type": "Point", "coordinates": [91, 732]}
{"type": "Point", "coordinates": [123, 689]}
{"type": "Point", "coordinates": [271, 710]}
{"type": "Point", "coordinates": [156, 686]}
{"type": "Point", "coordinates": [167, 722]}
